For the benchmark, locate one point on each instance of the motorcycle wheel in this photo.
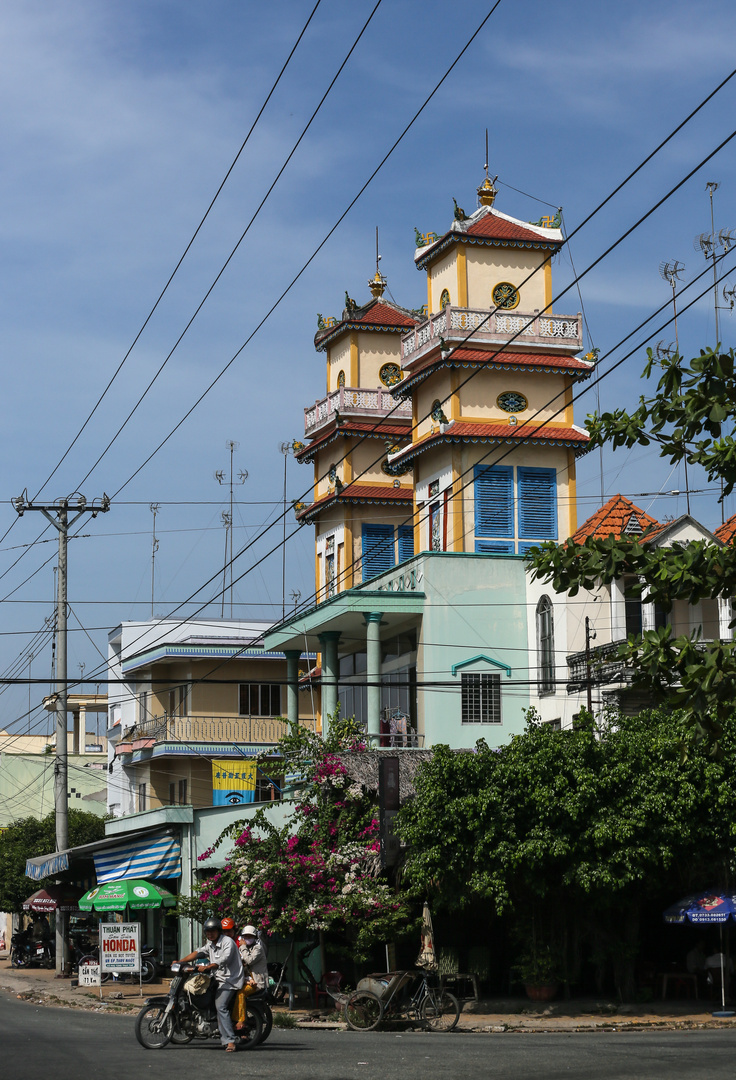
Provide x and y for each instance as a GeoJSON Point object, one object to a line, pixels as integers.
{"type": "Point", "coordinates": [440, 1010]}
{"type": "Point", "coordinates": [148, 971]}
{"type": "Point", "coordinates": [105, 976]}
{"type": "Point", "coordinates": [253, 1034]}
{"type": "Point", "coordinates": [363, 1011]}
{"type": "Point", "coordinates": [18, 959]}
{"type": "Point", "coordinates": [264, 1011]}
{"type": "Point", "coordinates": [149, 1030]}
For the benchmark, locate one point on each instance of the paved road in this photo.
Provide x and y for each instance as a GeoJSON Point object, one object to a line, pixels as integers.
{"type": "Point", "coordinates": [40, 1042]}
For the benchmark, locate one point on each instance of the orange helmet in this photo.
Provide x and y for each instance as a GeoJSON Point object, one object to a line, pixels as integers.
{"type": "Point", "coordinates": [228, 924]}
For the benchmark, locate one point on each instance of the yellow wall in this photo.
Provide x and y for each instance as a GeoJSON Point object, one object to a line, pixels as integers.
{"type": "Point", "coordinates": [487, 266]}
{"type": "Point", "coordinates": [443, 275]}
{"type": "Point", "coordinates": [338, 357]}
{"type": "Point", "coordinates": [374, 350]}
{"type": "Point", "coordinates": [545, 394]}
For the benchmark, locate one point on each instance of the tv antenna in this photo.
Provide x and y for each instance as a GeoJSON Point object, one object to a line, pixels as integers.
{"type": "Point", "coordinates": [664, 349]}
{"type": "Point", "coordinates": [713, 245]}
{"type": "Point", "coordinates": [227, 518]}
{"type": "Point", "coordinates": [729, 295]}
{"type": "Point", "coordinates": [671, 272]}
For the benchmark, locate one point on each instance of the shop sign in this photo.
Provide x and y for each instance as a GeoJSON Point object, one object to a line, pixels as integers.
{"type": "Point", "coordinates": [120, 946]}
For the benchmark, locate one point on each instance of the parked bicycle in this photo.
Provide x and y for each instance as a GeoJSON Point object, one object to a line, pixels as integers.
{"type": "Point", "coordinates": [415, 996]}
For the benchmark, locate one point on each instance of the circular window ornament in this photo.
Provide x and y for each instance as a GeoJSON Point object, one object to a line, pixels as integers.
{"type": "Point", "coordinates": [505, 295]}
{"type": "Point", "coordinates": [390, 374]}
{"type": "Point", "coordinates": [512, 401]}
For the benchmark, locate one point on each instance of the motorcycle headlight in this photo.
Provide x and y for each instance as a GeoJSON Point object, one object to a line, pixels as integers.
{"type": "Point", "coordinates": [175, 968]}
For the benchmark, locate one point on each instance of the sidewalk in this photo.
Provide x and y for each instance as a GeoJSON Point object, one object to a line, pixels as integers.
{"type": "Point", "coordinates": [489, 1015]}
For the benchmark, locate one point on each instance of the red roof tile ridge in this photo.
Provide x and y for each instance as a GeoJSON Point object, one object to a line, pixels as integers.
{"type": "Point", "coordinates": [727, 531]}
{"type": "Point", "coordinates": [613, 518]}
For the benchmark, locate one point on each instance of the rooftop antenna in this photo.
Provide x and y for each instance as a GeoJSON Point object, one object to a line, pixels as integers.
{"type": "Point", "coordinates": [486, 161]}
{"type": "Point", "coordinates": [296, 597]}
{"type": "Point", "coordinates": [227, 519]}
{"type": "Point", "coordinates": [711, 244]}
{"type": "Point", "coordinates": [664, 349]}
{"type": "Point", "coordinates": [729, 295]}
{"type": "Point", "coordinates": [154, 508]}
{"type": "Point", "coordinates": [671, 272]}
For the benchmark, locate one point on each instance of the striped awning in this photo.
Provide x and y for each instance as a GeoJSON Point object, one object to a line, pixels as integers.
{"type": "Point", "coordinates": [147, 857]}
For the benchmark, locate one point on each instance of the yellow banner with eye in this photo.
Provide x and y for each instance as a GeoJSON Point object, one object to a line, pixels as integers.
{"type": "Point", "coordinates": [233, 782]}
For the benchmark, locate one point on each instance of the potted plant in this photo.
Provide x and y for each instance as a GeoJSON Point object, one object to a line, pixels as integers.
{"type": "Point", "coordinates": [538, 968]}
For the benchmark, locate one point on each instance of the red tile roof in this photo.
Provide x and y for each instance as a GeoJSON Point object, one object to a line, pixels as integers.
{"type": "Point", "coordinates": [358, 492]}
{"type": "Point", "coordinates": [348, 428]}
{"type": "Point", "coordinates": [492, 358]}
{"type": "Point", "coordinates": [384, 315]}
{"type": "Point", "coordinates": [613, 518]}
{"type": "Point", "coordinates": [495, 227]}
{"type": "Point", "coordinates": [727, 531]}
{"type": "Point", "coordinates": [494, 432]}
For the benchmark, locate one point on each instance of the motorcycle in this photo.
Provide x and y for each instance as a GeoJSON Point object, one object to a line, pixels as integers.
{"type": "Point", "coordinates": [26, 951]}
{"type": "Point", "coordinates": [189, 1013]}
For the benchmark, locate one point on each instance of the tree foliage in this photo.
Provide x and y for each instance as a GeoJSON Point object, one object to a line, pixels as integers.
{"type": "Point", "coordinates": [30, 838]}
{"type": "Point", "coordinates": [573, 829]}
{"type": "Point", "coordinates": [691, 418]}
{"type": "Point", "coordinates": [322, 870]}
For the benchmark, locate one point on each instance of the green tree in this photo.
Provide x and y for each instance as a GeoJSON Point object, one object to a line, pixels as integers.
{"type": "Point", "coordinates": [31, 837]}
{"type": "Point", "coordinates": [690, 417]}
{"type": "Point", "coordinates": [570, 833]}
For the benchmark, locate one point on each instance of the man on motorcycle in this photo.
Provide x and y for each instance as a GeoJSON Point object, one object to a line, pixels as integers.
{"type": "Point", "coordinates": [227, 968]}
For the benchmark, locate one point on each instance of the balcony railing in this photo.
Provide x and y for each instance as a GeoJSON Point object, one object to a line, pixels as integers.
{"type": "Point", "coordinates": [264, 730]}
{"type": "Point", "coordinates": [354, 403]}
{"type": "Point", "coordinates": [454, 324]}
{"type": "Point", "coordinates": [605, 666]}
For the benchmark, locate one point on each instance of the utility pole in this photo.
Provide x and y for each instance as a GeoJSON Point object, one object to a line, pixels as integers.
{"type": "Point", "coordinates": [154, 508]}
{"type": "Point", "coordinates": [286, 448]}
{"type": "Point", "coordinates": [58, 514]}
{"type": "Point", "coordinates": [589, 636]}
{"type": "Point", "coordinates": [232, 446]}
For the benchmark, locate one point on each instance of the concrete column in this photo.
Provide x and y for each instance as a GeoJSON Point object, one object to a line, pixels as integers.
{"type": "Point", "coordinates": [82, 728]}
{"type": "Point", "coordinates": [373, 674]}
{"type": "Point", "coordinates": [292, 685]}
{"type": "Point", "coordinates": [75, 729]}
{"type": "Point", "coordinates": [330, 673]}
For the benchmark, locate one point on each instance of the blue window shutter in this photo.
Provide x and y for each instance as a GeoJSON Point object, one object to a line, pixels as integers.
{"type": "Point", "coordinates": [537, 493]}
{"type": "Point", "coordinates": [494, 547]}
{"type": "Point", "coordinates": [494, 501]}
{"type": "Point", "coordinates": [406, 542]}
{"type": "Point", "coordinates": [526, 546]}
{"type": "Point", "coordinates": [377, 550]}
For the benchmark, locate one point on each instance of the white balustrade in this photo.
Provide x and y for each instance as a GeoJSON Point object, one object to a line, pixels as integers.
{"type": "Point", "coordinates": [355, 402]}
{"type": "Point", "coordinates": [488, 326]}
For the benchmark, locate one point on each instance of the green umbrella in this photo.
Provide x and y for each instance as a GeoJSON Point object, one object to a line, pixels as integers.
{"type": "Point", "coordinates": [133, 893]}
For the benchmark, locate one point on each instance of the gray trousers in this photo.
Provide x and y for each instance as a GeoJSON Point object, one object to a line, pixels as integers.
{"type": "Point", "coordinates": [223, 1001]}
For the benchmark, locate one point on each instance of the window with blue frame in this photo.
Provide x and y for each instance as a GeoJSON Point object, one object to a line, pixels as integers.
{"type": "Point", "coordinates": [377, 550]}
{"type": "Point", "coordinates": [536, 491]}
{"type": "Point", "coordinates": [508, 506]}
{"type": "Point", "coordinates": [406, 542]}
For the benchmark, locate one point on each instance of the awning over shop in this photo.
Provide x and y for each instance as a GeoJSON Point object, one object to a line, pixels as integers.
{"type": "Point", "coordinates": [148, 853]}
{"type": "Point", "coordinates": [144, 858]}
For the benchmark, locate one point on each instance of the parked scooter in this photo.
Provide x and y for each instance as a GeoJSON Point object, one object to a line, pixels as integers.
{"type": "Point", "coordinates": [189, 1013]}
{"type": "Point", "coordinates": [25, 951]}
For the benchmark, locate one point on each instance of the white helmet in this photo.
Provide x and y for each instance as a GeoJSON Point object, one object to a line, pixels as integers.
{"type": "Point", "coordinates": [249, 931]}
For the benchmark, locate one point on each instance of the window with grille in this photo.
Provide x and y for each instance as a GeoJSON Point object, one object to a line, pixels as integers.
{"type": "Point", "coordinates": [481, 697]}
{"type": "Point", "coordinates": [260, 699]}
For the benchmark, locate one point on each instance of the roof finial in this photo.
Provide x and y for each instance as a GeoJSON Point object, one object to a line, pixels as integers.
{"type": "Point", "coordinates": [378, 283]}
{"type": "Point", "coordinates": [487, 190]}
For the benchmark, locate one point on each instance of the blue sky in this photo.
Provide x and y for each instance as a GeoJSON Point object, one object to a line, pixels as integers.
{"type": "Point", "coordinates": [119, 122]}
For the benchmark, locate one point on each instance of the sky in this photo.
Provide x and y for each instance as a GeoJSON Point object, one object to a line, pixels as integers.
{"type": "Point", "coordinates": [120, 121]}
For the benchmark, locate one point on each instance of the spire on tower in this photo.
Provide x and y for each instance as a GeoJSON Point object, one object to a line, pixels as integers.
{"type": "Point", "coordinates": [487, 191]}
{"type": "Point", "coordinates": [377, 284]}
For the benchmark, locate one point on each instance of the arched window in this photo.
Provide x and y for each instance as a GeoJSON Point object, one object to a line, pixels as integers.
{"type": "Point", "coordinates": [444, 299]}
{"type": "Point", "coordinates": [545, 645]}
{"type": "Point", "coordinates": [341, 378]}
